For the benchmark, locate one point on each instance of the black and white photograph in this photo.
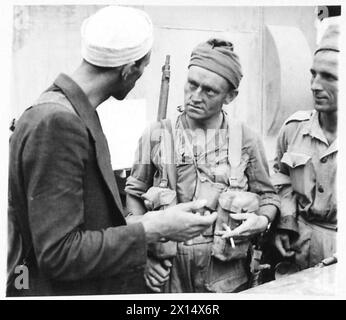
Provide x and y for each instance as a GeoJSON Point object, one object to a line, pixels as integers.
{"type": "Point", "coordinates": [162, 150]}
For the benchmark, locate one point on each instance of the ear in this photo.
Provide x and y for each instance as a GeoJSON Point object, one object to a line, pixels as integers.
{"type": "Point", "coordinates": [127, 70]}
{"type": "Point", "coordinates": [230, 96]}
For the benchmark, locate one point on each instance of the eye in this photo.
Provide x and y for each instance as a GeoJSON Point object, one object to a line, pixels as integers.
{"type": "Point", "coordinates": [210, 92]}
{"type": "Point", "coordinates": [329, 77]}
{"type": "Point", "coordinates": [192, 85]}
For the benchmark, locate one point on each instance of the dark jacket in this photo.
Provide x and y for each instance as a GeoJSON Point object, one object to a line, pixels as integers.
{"type": "Point", "coordinates": [64, 203]}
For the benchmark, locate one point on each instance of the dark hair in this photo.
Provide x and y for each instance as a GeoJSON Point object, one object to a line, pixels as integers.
{"type": "Point", "coordinates": [140, 61]}
{"type": "Point", "coordinates": [231, 86]}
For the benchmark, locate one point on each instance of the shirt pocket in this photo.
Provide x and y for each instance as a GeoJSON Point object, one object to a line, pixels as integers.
{"type": "Point", "coordinates": [299, 167]}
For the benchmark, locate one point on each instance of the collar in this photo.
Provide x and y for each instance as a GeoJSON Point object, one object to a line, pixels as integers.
{"type": "Point", "coordinates": [185, 125]}
{"type": "Point", "coordinates": [80, 102]}
{"type": "Point", "coordinates": [313, 128]}
{"type": "Point", "coordinates": [214, 143]}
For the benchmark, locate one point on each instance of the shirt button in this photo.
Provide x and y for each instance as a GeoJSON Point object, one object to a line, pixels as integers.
{"type": "Point", "coordinates": [324, 160]}
{"type": "Point", "coordinates": [320, 189]}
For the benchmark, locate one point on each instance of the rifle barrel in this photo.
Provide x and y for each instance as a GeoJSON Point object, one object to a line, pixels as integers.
{"type": "Point", "coordinates": [162, 111]}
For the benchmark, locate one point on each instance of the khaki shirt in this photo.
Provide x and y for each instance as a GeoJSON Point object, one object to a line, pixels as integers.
{"type": "Point", "coordinates": [305, 169]}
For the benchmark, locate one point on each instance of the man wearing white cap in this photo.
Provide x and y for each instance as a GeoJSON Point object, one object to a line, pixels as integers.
{"type": "Point", "coordinates": [306, 166]}
{"type": "Point", "coordinates": [66, 221]}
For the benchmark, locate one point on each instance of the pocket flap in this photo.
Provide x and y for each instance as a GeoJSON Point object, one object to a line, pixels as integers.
{"type": "Point", "coordinates": [295, 159]}
{"type": "Point", "coordinates": [225, 200]}
{"type": "Point", "coordinates": [157, 197]}
{"type": "Point", "coordinates": [239, 201]}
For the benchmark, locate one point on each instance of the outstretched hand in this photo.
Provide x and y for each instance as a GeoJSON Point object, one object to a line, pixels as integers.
{"type": "Point", "coordinates": [184, 223]}
{"type": "Point", "coordinates": [178, 223]}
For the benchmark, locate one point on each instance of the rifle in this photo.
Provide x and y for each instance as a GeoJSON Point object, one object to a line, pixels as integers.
{"type": "Point", "coordinates": [162, 110]}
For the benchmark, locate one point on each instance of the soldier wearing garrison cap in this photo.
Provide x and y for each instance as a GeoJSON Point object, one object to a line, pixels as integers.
{"type": "Point", "coordinates": [204, 154]}
{"type": "Point", "coordinates": [66, 220]}
{"type": "Point", "coordinates": [306, 166]}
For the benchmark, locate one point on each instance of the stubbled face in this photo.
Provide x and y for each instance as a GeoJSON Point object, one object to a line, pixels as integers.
{"type": "Point", "coordinates": [205, 92]}
{"type": "Point", "coordinates": [324, 81]}
{"type": "Point", "coordinates": [131, 78]}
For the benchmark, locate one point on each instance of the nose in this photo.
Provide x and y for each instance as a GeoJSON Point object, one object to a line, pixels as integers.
{"type": "Point", "coordinates": [196, 95]}
{"type": "Point", "coordinates": [316, 83]}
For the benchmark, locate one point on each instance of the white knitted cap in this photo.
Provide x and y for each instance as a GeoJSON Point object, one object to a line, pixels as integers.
{"type": "Point", "coordinates": [115, 36]}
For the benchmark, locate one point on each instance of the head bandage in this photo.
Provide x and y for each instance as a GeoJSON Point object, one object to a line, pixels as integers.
{"type": "Point", "coordinates": [217, 56]}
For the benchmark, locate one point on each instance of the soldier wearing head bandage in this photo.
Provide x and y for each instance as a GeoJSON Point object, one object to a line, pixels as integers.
{"type": "Point", "coordinates": [306, 166]}
{"type": "Point", "coordinates": [218, 56]}
{"type": "Point", "coordinates": [206, 155]}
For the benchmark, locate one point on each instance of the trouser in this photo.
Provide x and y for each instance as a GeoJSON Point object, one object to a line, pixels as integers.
{"type": "Point", "coordinates": [194, 269]}
{"type": "Point", "coordinates": [314, 244]}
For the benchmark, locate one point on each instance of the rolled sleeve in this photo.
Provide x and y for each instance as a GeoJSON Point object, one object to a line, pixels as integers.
{"type": "Point", "coordinates": [136, 187]}
{"type": "Point", "coordinates": [143, 169]}
{"type": "Point", "coordinates": [270, 199]}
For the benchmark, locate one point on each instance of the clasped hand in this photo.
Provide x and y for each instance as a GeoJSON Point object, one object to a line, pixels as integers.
{"type": "Point", "coordinates": [157, 273]}
{"type": "Point", "coordinates": [252, 224]}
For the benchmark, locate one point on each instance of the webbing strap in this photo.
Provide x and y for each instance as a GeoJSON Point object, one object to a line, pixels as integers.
{"type": "Point", "coordinates": [235, 138]}
{"type": "Point", "coordinates": [168, 151]}
{"type": "Point", "coordinates": [167, 147]}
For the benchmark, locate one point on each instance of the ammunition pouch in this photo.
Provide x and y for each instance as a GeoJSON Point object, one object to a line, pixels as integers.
{"type": "Point", "coordinates": [157, 198]}
{"type": "Point", "coordinates": [232, 202]}
{"type": "Point", "coordinates": [210, 191]}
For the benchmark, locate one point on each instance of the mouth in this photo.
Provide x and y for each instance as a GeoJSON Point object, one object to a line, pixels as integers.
{"type": "Point", "coordinates": [192, 106]}
{"type": "Point", "coordinates": [320, 98]}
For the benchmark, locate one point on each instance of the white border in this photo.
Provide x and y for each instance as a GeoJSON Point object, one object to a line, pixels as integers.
{"type": "Point", "coordinates": [5, 61]}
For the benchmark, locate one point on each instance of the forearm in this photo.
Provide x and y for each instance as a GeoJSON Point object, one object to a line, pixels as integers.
{"type": "Point", "coordinates": [94, 254]}
{"type": "Point", "coordinates": [269, 211]}
{"type": "Point", "coordinates": [135, 205]}
{"type": "Point", "coordinates": [288, 206]}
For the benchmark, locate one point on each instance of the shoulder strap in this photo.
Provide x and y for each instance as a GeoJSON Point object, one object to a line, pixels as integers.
{"type": "Point", "coordinates": [235, 137]}
{"type": "Point", "coordinates": [301, 115]}
{"type": "Point", "coordinates": [169, 175]}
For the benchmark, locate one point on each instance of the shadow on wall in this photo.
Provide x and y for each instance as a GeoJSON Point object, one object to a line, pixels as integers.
{"type": "Point", "coordinates": [288, 58]}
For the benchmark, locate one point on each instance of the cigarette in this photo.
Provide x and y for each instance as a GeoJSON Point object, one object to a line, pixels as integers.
{"type": "Point", "coordinates": [232, 242]}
